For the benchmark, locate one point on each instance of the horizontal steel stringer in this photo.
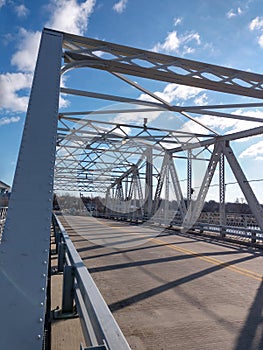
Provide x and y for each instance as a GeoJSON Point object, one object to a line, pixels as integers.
{"type": "Point", "coordinates": [196, 206]}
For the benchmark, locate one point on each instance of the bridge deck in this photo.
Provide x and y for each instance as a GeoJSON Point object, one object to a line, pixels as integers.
{"type": "Point", "coordinates": [172, 291]}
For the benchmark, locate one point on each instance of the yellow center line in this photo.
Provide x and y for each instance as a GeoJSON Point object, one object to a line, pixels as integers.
{"type": "Point", "coordinates": [214, 261]}
{"type": "Point", "coordinates": [211, 260]}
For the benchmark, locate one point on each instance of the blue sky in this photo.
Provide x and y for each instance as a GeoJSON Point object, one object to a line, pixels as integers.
{"type": "Point", "coordinates": [227, 33]}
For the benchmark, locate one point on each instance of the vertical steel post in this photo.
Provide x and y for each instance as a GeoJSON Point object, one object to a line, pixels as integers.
{"type": "Point", "coordinates": [148, 183]}
{"type": "Point", "coordinates": [195, 208]}
{"type": "Point", "coordinates": [189, 177]}
{"type": "Point", "coordinates": [166, 199]}
{"type": "Point", "coordinates": [25, 247]}
{"type": "Point", "coordinates": [107, 203]}
{"type": "Point", "coordinates": [177, 188]}
{"type": "Point", "coordinates": [222, 207]}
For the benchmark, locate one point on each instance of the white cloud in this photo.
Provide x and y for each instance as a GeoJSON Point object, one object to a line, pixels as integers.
{"type": "Point", "coordinates": [21, 11]}
{"type": "Point", "coordinates": [177, 21]}
{"type": "Point", "coordinates": [63, 103]}
{"type": "Point", "coordinates": [254, 151]}
{"type": "Point", "coordinates": [70, 16]}
{"type": "Point", "coordinates": [173, 42]}
{"type": "Point", "coordinates": [66, 15]}
{"type": "Point", "coordinates": [26, 55]}
{"type": "Point", "coordinates": [194, 127]}
{"type": "Point", "coordinates": [240, 125]}
{"type": "Point", "coordinates": [260, 41]}
{"type": "Point", "coordinates": [9, 120]}
{"type": "Point", "coordinates": [2, 3]}
{"type": "Point", "coordinates": [172, 93]}
{"type": "Point", "coordinates": [170, 44]}
{"type": "Point", "coordinates": [11, 85]}
{"type": "Point", "coordinates": [201, 100]}
{"type": "Point", "coordinates": [232, 13]}
{"type": "Point", "coordinates": [120, 6]}
{"type": "Point", "coordinates": [12, 96]}
{"type": "Point", "coordinates": [256, 23]}
{"type": "Point", "coordinates": [225, 125]}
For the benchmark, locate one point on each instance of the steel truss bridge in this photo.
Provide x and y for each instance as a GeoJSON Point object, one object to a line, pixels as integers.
{"type": "Point", "coordinates": [137, 169]}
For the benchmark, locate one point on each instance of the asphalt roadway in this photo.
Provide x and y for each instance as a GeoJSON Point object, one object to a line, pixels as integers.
{"type": "Point", "coordinates": [172, 291]}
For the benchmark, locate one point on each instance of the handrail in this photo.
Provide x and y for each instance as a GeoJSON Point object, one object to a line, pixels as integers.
{"type": "Point", "coordinates": [237, 227]}
{"type": "Point", "coordinates": [99, 327]}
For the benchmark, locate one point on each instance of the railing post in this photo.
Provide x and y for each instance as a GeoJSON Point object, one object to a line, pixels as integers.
{"type": "Point", "coordinates": [253, 237]}
{"type": "Point", "coordinates": [67, 310]}
{"type": "Point", "coordinates": [57, 239]}
{"type": "Point", "coordinates": [68, 290]}
{"type": "Point", "coordinates": [61, 256]}
{"type": "Point", "coordinates": [57, 234]}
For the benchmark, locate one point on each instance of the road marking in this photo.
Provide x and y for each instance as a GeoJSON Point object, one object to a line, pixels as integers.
{"type": "Point", "coordinates": [214, 261]}
{"type": "Point", "coordinates": [211, 260]}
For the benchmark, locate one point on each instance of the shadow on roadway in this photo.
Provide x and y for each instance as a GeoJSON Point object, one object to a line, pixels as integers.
{"type": "Point", "coordinates": [251, 336]}
{"type": "Point", "coordinates": [162, 288]}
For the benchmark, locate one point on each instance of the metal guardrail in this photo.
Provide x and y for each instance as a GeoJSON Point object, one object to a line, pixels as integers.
{"type": "Point", "coordinates": [99, 327]}
{"type": "Point", "coordinates": [238, 226]}
{"type": "Point", "coordinates": [245, 230]}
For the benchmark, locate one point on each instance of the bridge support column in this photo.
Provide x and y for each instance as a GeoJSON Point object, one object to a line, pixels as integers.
{"type": "Point", "coordinates": [24, 250]}
{"type": "Point", "coordinates": [189, 177]}
{"type": "Point", "coordinates": [148, 184]}
{"type": "Point", "coordinates": [252, 201]}
{"type": "Point", "coordinates": [222, 190]}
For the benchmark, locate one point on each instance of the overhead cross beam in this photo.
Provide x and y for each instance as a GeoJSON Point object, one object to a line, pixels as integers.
{"type": "Point", "coordinates": [87, 52]}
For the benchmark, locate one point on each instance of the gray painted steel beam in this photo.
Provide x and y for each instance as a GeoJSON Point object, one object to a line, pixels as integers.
{"type": "Point", "coordinates": [252, 201]}
{"type": "Point", "coordinates": [148, 182]}
{"type": "Point", "coordinates": [195, 207]}
{"type": "Point", "coordinates": [25, 248]}
{"type": "Point", "coordinates": [164, 68]}
{"type": "Point", "coordinates": [231, 137]}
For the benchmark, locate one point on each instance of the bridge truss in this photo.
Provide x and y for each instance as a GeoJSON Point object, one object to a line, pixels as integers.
{"type": "Point", "coordinates": [137, 169]}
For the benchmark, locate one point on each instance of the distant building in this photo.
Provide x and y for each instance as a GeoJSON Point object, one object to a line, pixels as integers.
{"type": "Point", "coordinates": [4, 194]}
{"type": "Point", "coordinates": [4, 188]}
